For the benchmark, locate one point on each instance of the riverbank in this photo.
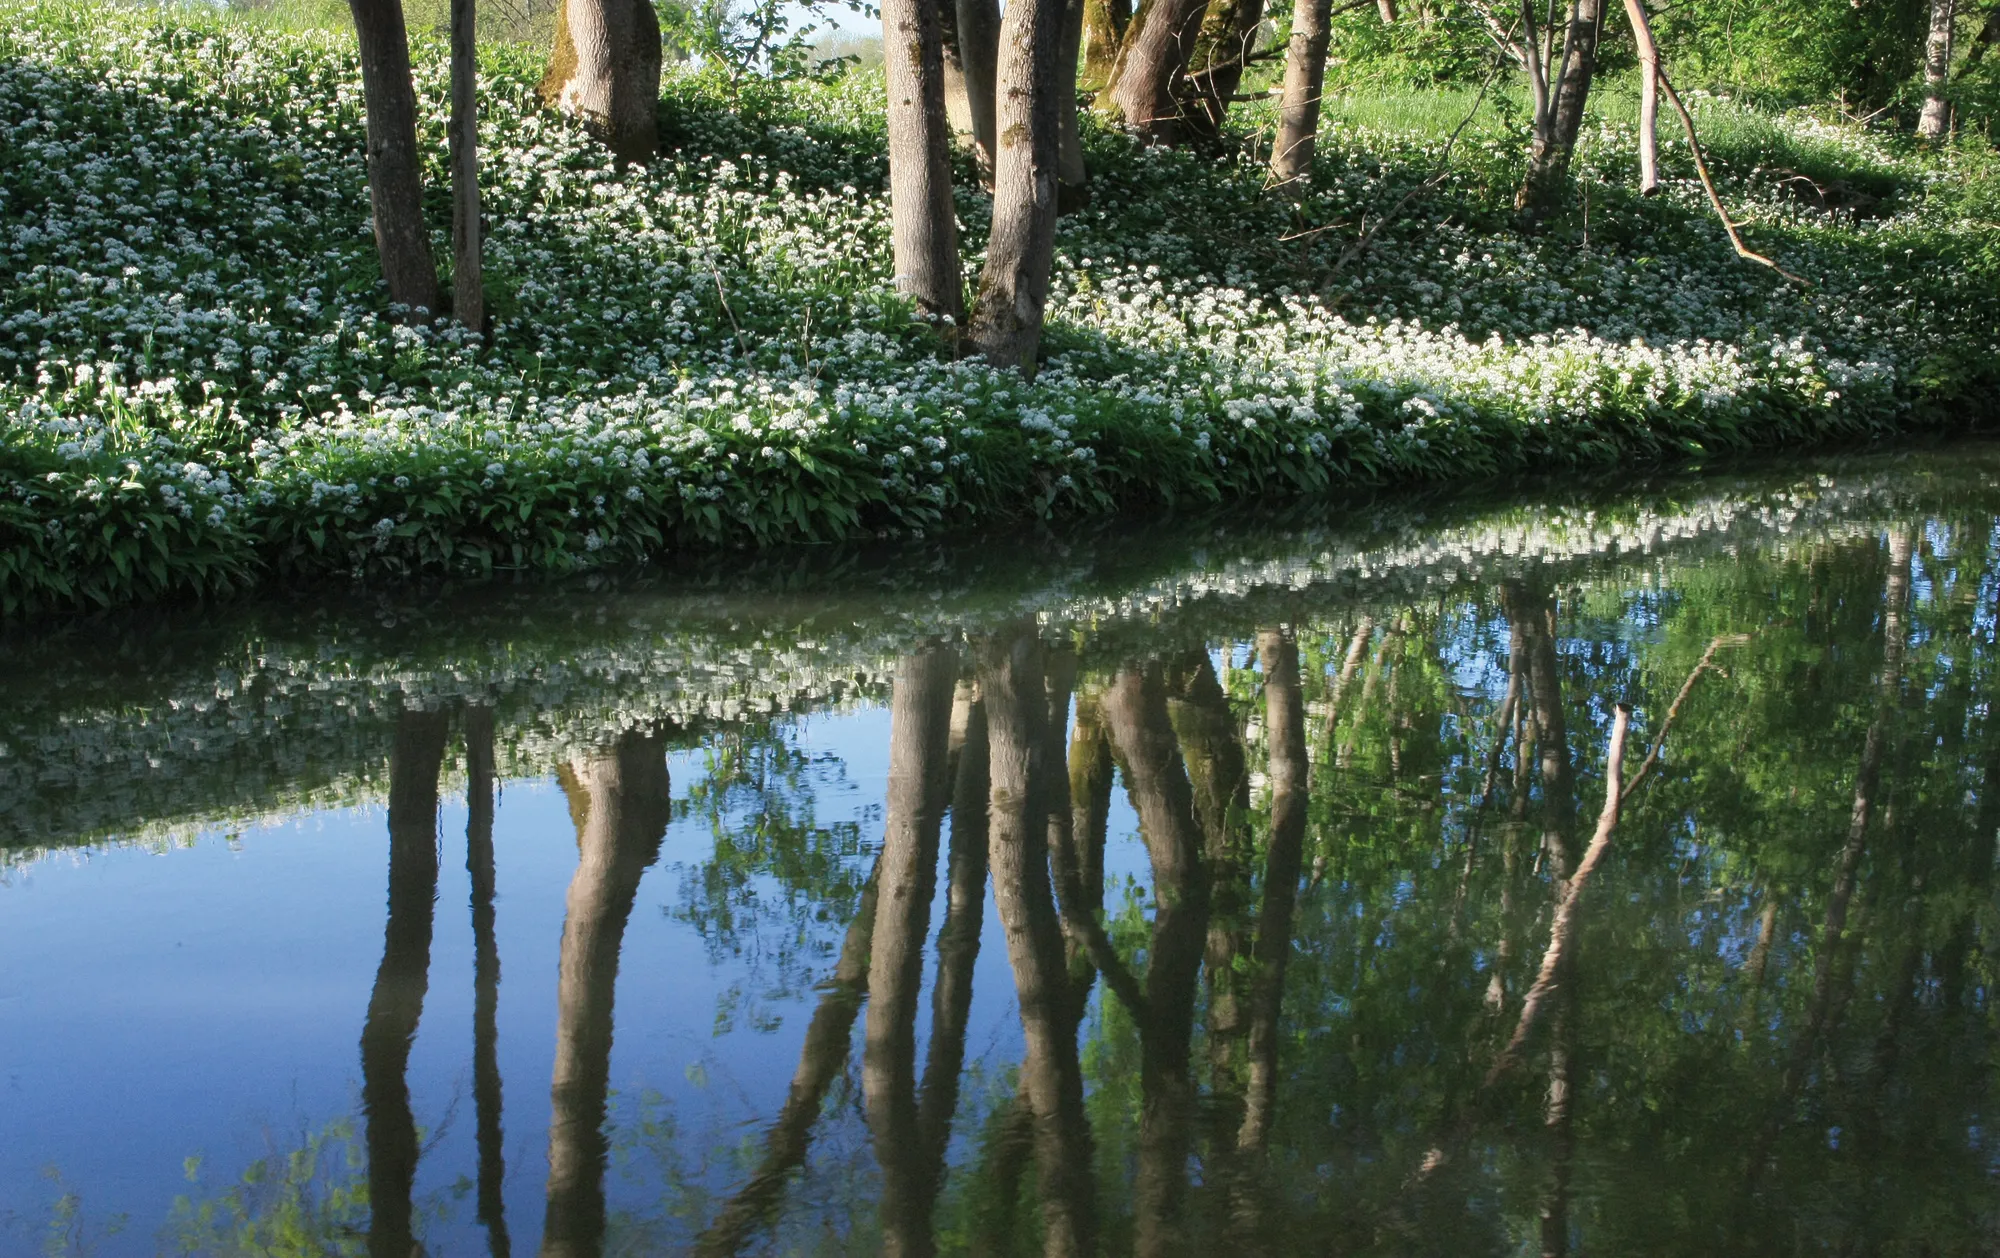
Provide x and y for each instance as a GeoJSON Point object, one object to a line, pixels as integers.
{"type": "Point", "coordinates": [203, 392]}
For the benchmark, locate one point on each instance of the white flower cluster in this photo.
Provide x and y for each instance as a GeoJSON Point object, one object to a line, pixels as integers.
{"type": "Point", "coordinates": [711, 347]}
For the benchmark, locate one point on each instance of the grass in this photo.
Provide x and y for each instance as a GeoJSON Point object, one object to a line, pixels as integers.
{"type": "Point", "coordinates": [203, 389]}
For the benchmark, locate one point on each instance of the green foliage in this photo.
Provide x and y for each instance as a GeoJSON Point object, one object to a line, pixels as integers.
{"type": "Point", "coordinates": [306, 1202]}
{"type": "Point", "coordinates": [203, 389]}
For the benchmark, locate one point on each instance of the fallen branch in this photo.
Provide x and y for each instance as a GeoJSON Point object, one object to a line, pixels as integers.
{"type": "Point", "coordinates": [1729, 225]}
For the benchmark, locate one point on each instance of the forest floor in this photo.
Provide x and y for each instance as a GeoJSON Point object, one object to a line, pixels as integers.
{"type": "Point", "coordinates": [203, 389]}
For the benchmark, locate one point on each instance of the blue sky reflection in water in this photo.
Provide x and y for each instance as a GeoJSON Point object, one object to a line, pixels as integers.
{"type": "Point", "coordinates": [1293, 821]}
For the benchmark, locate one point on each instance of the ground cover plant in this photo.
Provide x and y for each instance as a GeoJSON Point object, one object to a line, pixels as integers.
{"type": "Point", "coordinates": [204, 387]}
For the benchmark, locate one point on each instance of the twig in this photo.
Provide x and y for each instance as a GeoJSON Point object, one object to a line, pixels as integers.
{"type": "Point", "coordinates": [724, 298]}
{"type": "Point", "coordinates": [1368, 232]}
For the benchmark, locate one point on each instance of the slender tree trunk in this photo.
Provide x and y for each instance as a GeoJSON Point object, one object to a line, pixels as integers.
{"type": "Point", "coordinates": [1010, 679]}
{"type": "Point", "coordinates": [486, 1098]}
{"type": "Point", "coordinates": [1935, 121]}
{"type": "Point", "coordinates": [397, 1002]}
{"type": "Point", "coordinates": [1298, 108]}
{"type": "Point", "coordinates": [468, 295]}
{"type": "Point", "coordinates": [1152, 58]}
{"type": "Point", "coordinates": [1559, 115]}
{"type": "Point", "coordinates": [1387, 9]}
{"type": "Point", "coordinates": [620, 803]}
{"type": "Point", "coordinates": [1073, 192]}
{"type": "Point", "coordinates": [395, 170]}
{"type": "Point", "coordinates": [919, 737]}
{"type": "Point", "coordinates": [1649, 97]}
{"type": "Point", "coordinates": [923, 224]}
{"type": "Point", "coordinates": [1014, 290]}
{"type": "Point", "coordinates": [605, 70]}
{"type": "Point", "coordinates": [979, 50]}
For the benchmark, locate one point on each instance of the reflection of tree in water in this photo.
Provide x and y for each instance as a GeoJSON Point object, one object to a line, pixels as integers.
{"type": "Point", "coordinates": [779, 886]}
{"type": "Point", "coordinates": [1361, 1007]}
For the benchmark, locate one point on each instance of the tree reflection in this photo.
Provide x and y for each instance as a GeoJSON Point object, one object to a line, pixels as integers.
{"type": "Point", "coordinates": [620, 803]}
{"type": "Point", "coordinates": [397, 1002]}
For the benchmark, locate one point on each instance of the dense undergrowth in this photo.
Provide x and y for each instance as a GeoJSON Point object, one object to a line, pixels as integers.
{"type": "Point", "coordinates": [203, 388]}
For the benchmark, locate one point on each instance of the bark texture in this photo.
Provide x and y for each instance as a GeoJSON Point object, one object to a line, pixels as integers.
{"type": "Point", "coordinates": [395, 170]}
{"type": "Point", "coordinates": [1215, 71]}
{"type": "Point", "coordinates": [1649, 97]}
{"type": "Point", "coordinates": [923, 226]}
{"type": "Point", "coordinates": [605, 70]}
{"type": "Point", "coordinates": [1014, 288]}
{"type": "Point", "coordinates": [1935, 121]}
{"type": "Point", "coordinates": [1103, 27]}
{"type": "Point", "coordinates": [1152, 58]}
{"type": "Point", "coordinates": [979, 54]}
{"type": "Point", "coordinates": [468, 296]}
{"type": "Point", "coordinates": [1559, 104]}
{"type": "Point", "coordinates": [1298, 108]}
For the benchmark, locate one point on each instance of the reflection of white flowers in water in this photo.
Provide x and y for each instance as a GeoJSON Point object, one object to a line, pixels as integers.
{"type": "Point", "coordinates": [275, 725]}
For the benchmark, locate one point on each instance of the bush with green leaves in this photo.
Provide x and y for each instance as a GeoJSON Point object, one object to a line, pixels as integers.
{"type": "Point", "coordinates": [203, 387]}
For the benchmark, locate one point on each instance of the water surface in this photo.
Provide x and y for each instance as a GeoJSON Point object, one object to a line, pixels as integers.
{"type": "Point", "coordinates": [1246, 884]}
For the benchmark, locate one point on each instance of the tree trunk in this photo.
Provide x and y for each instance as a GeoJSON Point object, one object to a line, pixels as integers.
{"type": "Point", "coordinates": [395, 171]}
{"type": "Point", "coordinates": [1010, 679]}
{"type": "Point", "coordinates": [605, 70]}
{"type": "Point", "coordinates": [1073, 193]}
{"type": "Point", "coordinates": [1215, 71]}
{"type": "Point", "coordinates": [492, 1205]}
{"type": "Point", "coordinates": [906, 879]}
{"type": "Point", "coordinates": [979, 51]}
{"type": "Point", "coordinates": [1014, 289]}
{"type": "Point", "coordinates": [1104, 23]}
{"type": "Point", "coordinates": [1935, 121]}
{"type": "Point", "coordinates": [923, 224]}
{"type": "Point", "coordinates": [468, 296]}
{"type": "Point", "coordinates": [1559, 112]}
{"type": "Point", "coordinates": [1152, 58]}
{"type": "Point", "coordinates": [1298, 109]}
{"type": "Point", "coordinates": [619, 801]}
{"type": "Point", "coordinates": [1649, 97]}
{"type": "Point", "coordinates": [397, 1002]}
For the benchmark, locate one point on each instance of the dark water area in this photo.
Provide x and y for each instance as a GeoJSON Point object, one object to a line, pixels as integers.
{"type": "Point", "coordinates": [1251, 887]}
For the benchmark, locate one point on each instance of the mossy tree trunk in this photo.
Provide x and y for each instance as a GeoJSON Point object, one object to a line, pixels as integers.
{"type": "Point", "coordinates": [924, 229]}
{"type": "Point", "coordinates": [1215, 72]}
{"type": "Point", "coordinates": [605, 69]}
{"type": "Point", "coordinates": [395, 170]}
{"type": "Point", "coordinates": [1104, 23]}
{"type": "Point", "coordinates": [1152, 59]}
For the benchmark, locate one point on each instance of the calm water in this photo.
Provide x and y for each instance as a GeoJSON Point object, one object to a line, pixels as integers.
{"type": "Point", "coordinates": [1246, 887]}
